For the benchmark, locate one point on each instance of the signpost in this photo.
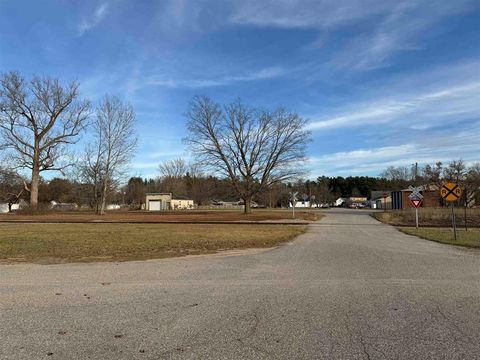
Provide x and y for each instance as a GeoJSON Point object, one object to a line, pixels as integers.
{"type": "Point", "coordinates": [416, 198]}
{"type": "Point", "coordinates": [451, 192]}
{"type": "Point", "coordinates": [293, 198]}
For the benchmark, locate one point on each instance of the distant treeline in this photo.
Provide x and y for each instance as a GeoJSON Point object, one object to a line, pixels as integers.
{"type": "Point", "coordinates": [191, 183]}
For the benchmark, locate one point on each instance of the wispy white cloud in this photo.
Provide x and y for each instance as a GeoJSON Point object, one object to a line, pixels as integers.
{"type": "Point", "coordinates": [305, 13]}
{"type": "Point", "coordinates": [91, 21]}
{"type": "Point", "coordinates": [162, 155]}
{"type": "Point", "coordinates": [402, 28]}
{"type": "Point", "coordinates": [373, 160]}
{"type": "Point", "coordinates": [263, 74]}
{"type": "Point", "coordinates": [363, 159]}
{"type": "Point", "coordinates": [419, 117]}
{"type": "Point", "coordinates": [440, 104]}
{"type": "Point", "coordinates": [388, 27]}
{"type": "Point", "coordinates": [145, 165]}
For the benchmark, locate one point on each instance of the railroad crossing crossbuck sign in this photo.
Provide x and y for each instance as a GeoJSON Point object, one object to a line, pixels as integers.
{"type": "Point", "coordinates": [416, 192]}
{"type": "Point", "coordinates": [450, 191]}
{"type": "Point", "coordinates": [416, 199]}
{"type": "Point", "coordinates": [416, 196]}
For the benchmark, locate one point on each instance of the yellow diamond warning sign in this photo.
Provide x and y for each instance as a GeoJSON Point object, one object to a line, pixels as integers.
{"type": "Point", "coordinates": [450, 191]}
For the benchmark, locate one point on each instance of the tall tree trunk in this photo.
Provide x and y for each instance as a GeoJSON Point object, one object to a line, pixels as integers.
{"type": "Point", "coordinates": [35, 177]}
{"type": "Point", "coordinates": [34, 188]}
{"type": "Point", "coordinates": [96, 202]}
{"type": "Point", "coordinates": [247, 205]}
{"type": "Point", "coordinates": [104, 197]}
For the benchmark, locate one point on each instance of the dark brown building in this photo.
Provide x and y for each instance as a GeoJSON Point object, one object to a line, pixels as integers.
{"type": "Point", "coordinates": [431, 197]}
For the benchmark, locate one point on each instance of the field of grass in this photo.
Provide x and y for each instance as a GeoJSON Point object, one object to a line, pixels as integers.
{"type": "Point", "coordinates": [429, 217]}
{"type": "Point", "coordinates": [59, 243]}
{"type": "Point", "coordinates": [470, 238]}
{"type": "Point", "coordinates": [170, 216]}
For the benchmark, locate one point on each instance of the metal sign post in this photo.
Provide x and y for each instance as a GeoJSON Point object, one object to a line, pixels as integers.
{"type": "Point", "coordinates": [416, 202]}
{"type": "Point", "coordinates": [451, 192]}
{"type": "Point", "coordinates": [454, 222]}
{"type": "Point", "coordinates": [293, 197]}
{"type": "Point", "coordinates": [416, 198]}
{"type": "Point", "coordinates": [416, 218]}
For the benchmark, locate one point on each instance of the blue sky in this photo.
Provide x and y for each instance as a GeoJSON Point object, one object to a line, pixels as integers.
{"type": "Point", "coordinates": [382, 82]}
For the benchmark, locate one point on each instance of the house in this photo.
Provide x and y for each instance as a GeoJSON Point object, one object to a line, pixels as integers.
{"type": "Point", "coordinates": [182, 204]}
{"type": "Point", "coordinates": [164, 202]}
{"type": "Point", "coordinates": [63, 206]}
{"type": "Point", "coordinates": [234, 204]}
{"type": "Point", "coordinates": [227, 204]}
{"type": "Point", "coordinates": [356, 199]}
{"type": "Point", "coordinates": [378, 200]}
{"type": "Point", "coordinates": [300, 204]}
{"type": "Point", "coordinates": [113, 207]}
{"type": "Point", "coordinates": [14, 207]}
{"type": "Point", "coordinates": [382, 202]}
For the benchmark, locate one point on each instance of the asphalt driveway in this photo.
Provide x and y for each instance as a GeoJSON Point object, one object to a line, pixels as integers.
{"type": "Point", "coordinates": [350, 288]}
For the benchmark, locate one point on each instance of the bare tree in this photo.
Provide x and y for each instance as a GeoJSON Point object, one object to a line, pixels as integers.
{"type": "Point", "coordinates": [114, 143]}
{"type": "Point", "coordinates": [175, 168]}
{"type": "Point", "coordinates": [253, 148]}
{"type": "Point", "coordinates": [399, 173]}
{"type": "Point", "coordinates": [455, 171]}
{"type": "Point", "coordinates": [472, 185]}
{"type": "Point", "coordinates": [38, 119]}
{"type": "Point", "coordinates": [180, 177]}
{"type": "Point", "coordinates": [433, 174]}
{"type": "Point", "coordinates": [90, 168]}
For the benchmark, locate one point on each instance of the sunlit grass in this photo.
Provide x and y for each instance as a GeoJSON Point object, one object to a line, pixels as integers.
{"type": "Point", "coordinates": [470, 238]}
{"type": "Point", "coordinates": [54, 243]}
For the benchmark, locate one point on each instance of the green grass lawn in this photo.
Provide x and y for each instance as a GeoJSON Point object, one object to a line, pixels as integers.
{"type": "Point", "coordinates": [470, 238]}
{"type": "Point", "coordinates": [58, 243]}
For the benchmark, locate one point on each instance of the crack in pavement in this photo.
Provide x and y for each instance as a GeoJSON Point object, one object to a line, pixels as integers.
{"type": "Point", "coordinates": [243, 340]}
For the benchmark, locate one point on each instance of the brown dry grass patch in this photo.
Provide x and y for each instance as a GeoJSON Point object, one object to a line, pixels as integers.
{"type": "Point", "coordinates": [171, 216]}
{"type": "Point", "coordinates": [429, 217]}
{"type": "Point", "coordinates": [59, 243]}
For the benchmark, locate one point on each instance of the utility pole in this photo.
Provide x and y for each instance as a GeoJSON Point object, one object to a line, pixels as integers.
{"type": "Point", "coordinates": [293, 197]}
{"type": "Point", "coordinates": [310, 195]}
{"type": "Point", "coordinates": [415, 173]}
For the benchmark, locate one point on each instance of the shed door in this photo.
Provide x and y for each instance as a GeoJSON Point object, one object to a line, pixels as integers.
{"type": "Point", "coordinates": [154, 205]}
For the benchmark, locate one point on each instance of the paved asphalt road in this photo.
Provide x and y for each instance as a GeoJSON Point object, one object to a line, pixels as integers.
{"type": "Point", "coordinates": [350, 288]}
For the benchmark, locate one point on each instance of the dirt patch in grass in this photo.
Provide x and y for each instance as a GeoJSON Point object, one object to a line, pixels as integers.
{"type": "Point", "coordinates": [172, 216]}
{"type": "Point", "coordinates": [429, 217]}
{"type": "Point", "coordinates": [470, 238]}
{"type": "Point", "coordinates": [59, 243]}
